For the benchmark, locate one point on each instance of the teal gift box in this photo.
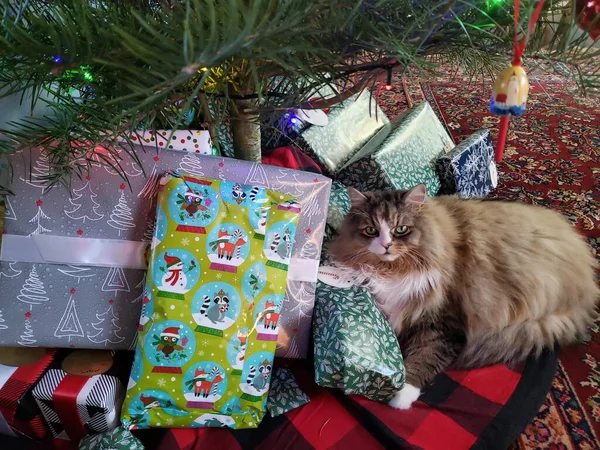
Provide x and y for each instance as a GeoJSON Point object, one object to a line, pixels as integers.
{"type": "Point", "coordinates": [406, 158]}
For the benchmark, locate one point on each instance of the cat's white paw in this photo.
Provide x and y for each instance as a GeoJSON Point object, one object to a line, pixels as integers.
{"type": "Point", "coordinates": [406, 397]}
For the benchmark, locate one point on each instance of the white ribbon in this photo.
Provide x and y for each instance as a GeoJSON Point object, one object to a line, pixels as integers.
{"type": "Point", "coordinates": [302, 269]}
{"type": "Point", "coordinates": [47, 249]}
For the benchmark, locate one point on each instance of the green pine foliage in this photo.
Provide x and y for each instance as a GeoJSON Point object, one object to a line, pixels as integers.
{"type": "Point", "coordinates": [106, 67]}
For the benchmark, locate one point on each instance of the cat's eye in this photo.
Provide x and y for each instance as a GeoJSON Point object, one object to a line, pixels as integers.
{"type": "Point", "coordinates": [400, 231]}
{"type": "Point", "coordinates": [370, 231]}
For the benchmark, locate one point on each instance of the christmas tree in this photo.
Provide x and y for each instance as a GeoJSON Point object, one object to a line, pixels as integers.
{"type": "Point", "coordinates": [2, 326]}
{"type": "Point", "coordinates": [167, 64]}
{"type": "Point", "coordinates": [115, 281]}
{"type": "Point", "coordinates": [84, 205]}
{"type": "Point", "coordinates": [69, 325]}
{"type": "Point", "coordinates": [37, 219]}
{"type": "Point", "coordinates": [109, 336]}
{"type": "Point", "coordinates": [27, 338]}
{"type": "Point", "coordinates": [121, 218]}
{"type": "Point", "coordinates": [190, 164]}
{"type": "Point", "coordinates": [33, 291]}
{"type": "Point", "coordinates": [77, 272]}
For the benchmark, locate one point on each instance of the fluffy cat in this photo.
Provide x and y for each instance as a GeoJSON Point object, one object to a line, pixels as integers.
{"type": "Point", "coordinates": [467, 283]}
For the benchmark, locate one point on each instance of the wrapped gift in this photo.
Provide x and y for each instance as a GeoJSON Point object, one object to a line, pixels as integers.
{"type": "Point", "coordinates": [194, 141]}
{"type": "Point", "coordinates": [82, 392]}
{"type": "Point", "coordinates": [469, 170]}
{"type": "Point", "coordinates": [20, 370]}
{"type": "Point", "coordinates": [205, 356]}
{"type": "Point", "coordinates": [118, 439]}
{"type": "Point", "coordinates": [61, 249]}
{"type": "Point", "coordinates": [339, 206]}
{"type": "Point", "coordinates": [356, 126]}
{"type": "Point", "coordinates": [355, 347]}
{"type": "Point", "coordinates": [285, 393]}
{"type": "Point", "coordinates": [407, 157]}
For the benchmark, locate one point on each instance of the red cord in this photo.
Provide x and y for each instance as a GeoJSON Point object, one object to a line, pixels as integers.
{"type": "Point", "coordinates": [519, 49]}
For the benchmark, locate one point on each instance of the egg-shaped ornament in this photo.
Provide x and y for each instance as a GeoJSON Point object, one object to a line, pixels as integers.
{"type": "Point", "coordinates": [510, 92]}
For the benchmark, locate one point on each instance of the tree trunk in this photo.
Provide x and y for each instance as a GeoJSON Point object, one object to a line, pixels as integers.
{"type": "Point", "coordinates": [245, 126]}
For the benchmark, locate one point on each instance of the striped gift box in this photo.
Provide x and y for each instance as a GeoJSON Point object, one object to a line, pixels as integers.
{"type": "Point", "coordinates": [82, 392]}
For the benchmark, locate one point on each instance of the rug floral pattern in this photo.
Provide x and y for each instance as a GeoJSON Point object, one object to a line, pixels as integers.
{"type": "Point", "coordinates": [552, 159]}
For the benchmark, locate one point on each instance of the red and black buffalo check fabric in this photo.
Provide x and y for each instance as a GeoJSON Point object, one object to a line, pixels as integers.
{"type": "Point", "coordinates": [478, 409]}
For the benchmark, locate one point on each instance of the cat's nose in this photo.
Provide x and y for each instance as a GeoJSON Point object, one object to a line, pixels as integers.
{"type": "Point", "coordinates": [387, 246]}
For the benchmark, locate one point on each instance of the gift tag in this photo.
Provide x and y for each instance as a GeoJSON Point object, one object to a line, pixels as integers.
{"type": "Point", "coordinates": [19, 357]}
{"type": "Point", "coordinates": [88, 363]}
{"type": "Point", "coordinates": [335, 276]}
{"type": "Point", "coordinates": [313, 116]}
{"type": "Point", "coordinates": [493, 174]}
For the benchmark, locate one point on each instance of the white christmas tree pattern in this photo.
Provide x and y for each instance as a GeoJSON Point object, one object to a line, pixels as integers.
{"type": "Point", "coordinates": [27, 338]}
{"type": "Point", "coordinates": [191, 164]}
{"type": "Point", "coordinates": [37, 220]}
{"type": "Point", "coordinates": [69, 325]}
{"type": "Point", "coordinates": [84, 205]}
{"type": "Point", "coordinates": [310, 203]}
{"type": "Point", "coordinates": [121, 218]}
{"type": "Point", "coordinates": [140, 287]}
{"type": "Point", "coordinates": [12, 272]}
{"type": "Point", "coordinates": [77, 272]}
{"type": "Point", "coordinates": [257, 176]}
{"type": "Point", "coordinates": [39, 171]}
{"type": "Point", "coordinates": [283, 183]}
{"type": "Point", "coordinates": [115, 281]}
{"type": "Point", "coordinates": [150, 189]}
{"type": "Point", "coordinates": [150, 227]}
{"type": "Point", "coordinates": [9, 212]}
{"type": "Point", "coordinates": [33, 292]}
{"type": "Point", "coordinates": [112, 333]}
{"type": "Point", "coordinates": [2, 326]}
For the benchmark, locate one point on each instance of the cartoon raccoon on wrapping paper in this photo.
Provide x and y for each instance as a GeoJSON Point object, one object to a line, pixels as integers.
{"type": "Point", "coordinates": [278, 245]}
{"type": "Point", "coordinates": [256, 377]}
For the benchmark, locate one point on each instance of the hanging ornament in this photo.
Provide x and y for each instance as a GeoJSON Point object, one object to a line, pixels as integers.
{"type": "Point", "coordinates": [586, 13]}
{"type": "Point", "coordinates": [512, 85]}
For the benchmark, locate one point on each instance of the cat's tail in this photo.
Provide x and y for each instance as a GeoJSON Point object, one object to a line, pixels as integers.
{"type": "Point", "coordinates": [516, 342]}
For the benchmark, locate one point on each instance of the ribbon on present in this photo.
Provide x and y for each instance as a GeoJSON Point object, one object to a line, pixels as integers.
{"type": "Point", "coordinates": [14, 384]}
{"type": "Point", "coordinates": [49, 249]}
{"type": "Point", "coordinates": [65, 402]}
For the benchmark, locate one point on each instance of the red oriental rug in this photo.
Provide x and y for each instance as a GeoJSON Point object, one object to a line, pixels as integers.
{"type": "Point", "coordinates": [552, 159]}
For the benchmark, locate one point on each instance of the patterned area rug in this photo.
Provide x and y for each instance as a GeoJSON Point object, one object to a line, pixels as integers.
{"type": "Point", "coordinates": [552, 159]}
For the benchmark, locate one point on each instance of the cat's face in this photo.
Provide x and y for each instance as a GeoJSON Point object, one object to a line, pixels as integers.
{"type": "Point", "coordinates": [381, 226]}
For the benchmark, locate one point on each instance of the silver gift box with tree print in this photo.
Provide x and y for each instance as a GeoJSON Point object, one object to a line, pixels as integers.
{"type": "Point", "coordinates": [72, 261]}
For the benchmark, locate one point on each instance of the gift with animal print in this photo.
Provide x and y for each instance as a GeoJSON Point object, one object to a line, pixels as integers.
{"type": "Point", "coordinates": [212, 303]}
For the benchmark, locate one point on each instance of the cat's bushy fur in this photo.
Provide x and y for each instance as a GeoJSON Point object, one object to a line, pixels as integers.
{"type": "Point", "coordinates": [471, 282]}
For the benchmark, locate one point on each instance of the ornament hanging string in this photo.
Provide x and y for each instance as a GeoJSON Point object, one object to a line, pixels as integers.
{"type": "Point", "coordinates": [519, 49]}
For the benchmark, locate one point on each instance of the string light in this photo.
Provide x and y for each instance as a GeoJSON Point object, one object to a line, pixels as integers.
{"type": "Point", "coordinates": [388, 84]}
{"type": "Point", "coordinates": [58, 59]}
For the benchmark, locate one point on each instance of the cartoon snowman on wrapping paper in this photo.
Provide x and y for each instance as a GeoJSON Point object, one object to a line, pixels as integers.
{"type": "Point", "coordinates": [175, 279]}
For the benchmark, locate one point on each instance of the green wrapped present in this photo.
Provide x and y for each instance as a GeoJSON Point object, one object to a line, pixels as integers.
{"type": "Point", "coordinates": [339, 206]}
{"type": "Point", "coordinates": [118, 439]}
{"type": "Point", "coordinates": [406, 158]}
{"type": "Point", "coordinates": [355, 347]}
{"type": "Point", "coordinates": [215, 292]}
{"type": "Point", "coordinates": [355, 125]}
{"type": "Point", "coordinates": [285, 394]}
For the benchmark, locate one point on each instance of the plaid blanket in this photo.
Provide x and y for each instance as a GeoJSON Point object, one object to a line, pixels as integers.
{"type": "Point", "coordinates": [478, 409]}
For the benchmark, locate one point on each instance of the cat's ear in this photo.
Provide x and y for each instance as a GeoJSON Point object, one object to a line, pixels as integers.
{"type": "Point", "coordinates": [416, 196]}
{"type": "Point", "coordinates": [356, 197]}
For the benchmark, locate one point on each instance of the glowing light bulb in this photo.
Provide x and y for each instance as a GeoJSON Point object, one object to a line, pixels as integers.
{"type": "Point", "coordinates": [388, 87]}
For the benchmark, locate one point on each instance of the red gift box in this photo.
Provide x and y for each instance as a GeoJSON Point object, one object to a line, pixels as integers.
{"type": "Point", "coordinates": [20, 370]}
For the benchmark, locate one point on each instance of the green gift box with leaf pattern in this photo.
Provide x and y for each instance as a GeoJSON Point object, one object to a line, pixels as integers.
{"type": "Point", "coordinates": [355, 347]}
{"type": "Point", "coordinates": [406, 158]}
